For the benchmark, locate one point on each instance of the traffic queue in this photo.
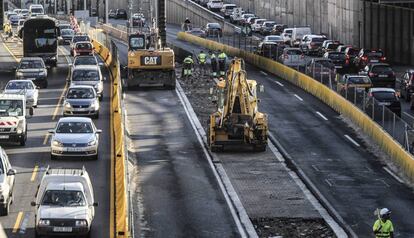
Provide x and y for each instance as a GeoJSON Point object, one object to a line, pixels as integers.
{"type": "Point", "coordinates": [64, 202]}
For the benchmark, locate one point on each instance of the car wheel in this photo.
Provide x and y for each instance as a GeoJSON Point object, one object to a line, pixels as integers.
{"type": "Point", "coordinates": [4, 210]}
{"type": "Point", "coordinates": [52, 157]}
{"type": "Point", "coordinates": [37, 234]}
{"type": "Point", "coordinates": [101, 98]}
{"type": "Point", "coordinates": [45, 84]}
{"type": "Point", "coordinates": [22, 140]}
{"type": "Point", "coordinates": [96, 116]}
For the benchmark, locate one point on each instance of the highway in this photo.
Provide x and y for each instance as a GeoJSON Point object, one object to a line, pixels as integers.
{"type": "Point", "coordinates": [31, 160]}
{"type": "Point", "coordinates": [349, 176]}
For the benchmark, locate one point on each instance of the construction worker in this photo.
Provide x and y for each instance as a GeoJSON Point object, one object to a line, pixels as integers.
{"type": "Point", "coordinates": [213, 62]}
{"type": "Point", "coordinates": [187, 67]}
{"type": "Point", "coordinates": [222, 58]}
{"type": "Point", "coordinates": [383, 227]}
{"type": "Point", "coordinates": [202, 58]}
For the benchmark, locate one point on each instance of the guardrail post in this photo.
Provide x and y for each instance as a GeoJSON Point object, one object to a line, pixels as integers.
{"type": "Point", "coordinates": [393, 125]}
{"type": "Point", "coordinates": [373, 107]}
{"type": "Point", "coordinates": [383, 115]}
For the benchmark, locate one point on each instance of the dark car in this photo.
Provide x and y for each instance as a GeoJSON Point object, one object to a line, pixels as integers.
{"type": "Point", "coordinates": [380, 74]}
{"type": "Point", "coordinates": [66, 36]}
{"type": "Point", "coordinates": [213, 29]}
{"type": "Point", "coordinates": [353, 86]}
{"type": "Point", "coordinates": [269, 49]}
{"type": "Point", "coordinates": [366, 56]}
{"type": "Point", "coordinates": [383, 97]}
{"type": "Point", "coordinates": [407, 84]}
{"type": "Point", "coordinates": [267, 27]}
{"type": "Point", "coordinates": [350, 54]}
{"type": "Point", "coordinates": [197, 32]}
{"type": "Point", "coordinates": [321, 68]}
{"type": "Point", "coordinates": [338, 59]}
{"type": "Point", "coordinates": [278, 29]}
{"type": "Point", "coordinates": [121, 14]}
{"type": "Point", "coordinates": [33, 68]}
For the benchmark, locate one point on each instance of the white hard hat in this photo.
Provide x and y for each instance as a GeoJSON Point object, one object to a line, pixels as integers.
{"type": "Point", "coordinates": [384, 211]}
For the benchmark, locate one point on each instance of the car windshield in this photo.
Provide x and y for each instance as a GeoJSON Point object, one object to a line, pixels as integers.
{"type": "Point", "coordinates": [74, 127]}
{"type": "Point", "coordinates": [214, 25]}
{"type": "Point", "coordinates": [80, 93]}
{"type": "Point", "coordinates": [31, 64]}
{"type": "Point", "coordinates": [381, 69]}
{"type": "Point", "coordinates": [336, 56]}
{"type": "Point", "coordinates": [384, 96]}
{"type": "Point", "coordinates": [359, 80]}
{"type": "Point", "coordinates": [66, 32]}
{"type": "Point", "coordinates": [85, 75]}
{"type": "Point", "coordinates": [274, 38]}
{"type": "Point", "coordinates": [270, 24]}
{"type": "Point", "coordinates": [37, 10]}
{"type": "Point", "coordinates": [353, 52]}
{"type": "Point", "coordinates": [65, 27]}
{"type": "Point", "coordinates": [319, 40]}
{"type": "Point", "coordinates": [11, 107]}
{"type": "Point", "coordinates": [80, 38]}
{"type": "Point", "coordinates": [19, 85]}
{"type": "Point", "coordinates": [260, 22]}
{"type": "Point", "coordinates": [84, 46]}
{"type": "Point", "coordinates": [293, 52]}
{"type": "Point", "coordinates": [64, 198]}
{"type": "Point", "coordinates": [332, 46]}
{"type": "Point", "coordinates": [374, 54]}
{"type": "Point", "coordinates": [86, 60]}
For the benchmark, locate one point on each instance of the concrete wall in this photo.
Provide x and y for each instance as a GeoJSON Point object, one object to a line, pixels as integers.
{"type": "Point", "coordinates": [337, 18]}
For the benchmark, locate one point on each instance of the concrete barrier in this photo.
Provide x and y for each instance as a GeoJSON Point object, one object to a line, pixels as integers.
{"type": "Point", "coordinates": [120, 197]}
{"type": "Point", "coordinates": [398, 155]}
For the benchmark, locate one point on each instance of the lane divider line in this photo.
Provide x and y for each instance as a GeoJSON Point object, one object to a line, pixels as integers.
{"type": "Point", "coordinates": [46, 138]}
{"type": "Point", "coordinates": [279, 83]}
{"type": "Point", "coordinates": [18, 222]}
{"type": "Point", "coordinates": [321, 115]}
{"type": "Point", "coordinates": [352, 140]}
{"type": "Point", "coordinates": [329, 183]}
{"type": "Point", "coordinates": [35, 170]}
{"type": "Point", "coordinates": [264, 73]}
{"type": "Point", "coordinates": [11, 53]}
{"type": "Point", "coordinates": [393, 175]}
{"type": "Point", "coordinates": [300, 99]}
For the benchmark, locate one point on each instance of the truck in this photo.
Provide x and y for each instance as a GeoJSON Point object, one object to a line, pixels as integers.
{"type": "Point", "coordinates": [13, 115]}
{"type": "Point", "coordinates": [40, 39]}
{"type": "Point", "coordinates": [64, 203]}
{"type": "Point", "coordinates": [237, 121]}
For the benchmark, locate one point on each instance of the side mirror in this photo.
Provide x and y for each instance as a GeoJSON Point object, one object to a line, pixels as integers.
{"type": "Point", "coordinates": [47, 66]}
{"type": "Point", "coordinates": [100, 64]}
{"type": "Point", "coordinates": [31, 111]}
{"type": "Point", "coordinates": [99, 131]}
{"type": "Point", "coordinates": [33, 204]}
{"type": "Point", "coordinates": [37, 87]}
{"type": "Point", "coordinates": [51, 131]}
{"type": "Point", "coordinates": [104, 78]}
{"type": "Point", "coordinates": [95, 204]}
{"type": "Point", "coordinates": [11, 172]}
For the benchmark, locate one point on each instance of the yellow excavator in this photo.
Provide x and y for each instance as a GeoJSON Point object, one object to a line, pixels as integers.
{"type": "Point", "coordinates": [237, 120]}
{"type": "Point", "coordinates": [150, 62]}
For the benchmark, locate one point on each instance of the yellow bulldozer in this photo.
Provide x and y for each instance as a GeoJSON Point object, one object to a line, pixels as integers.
{"type": "Point", "coordinates": [237, 120]}
{"type": "Point", "coordinates": [149, 64]}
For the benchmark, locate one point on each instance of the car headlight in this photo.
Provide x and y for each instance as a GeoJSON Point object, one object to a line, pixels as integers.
{"type": "Point", "coordinates": [43, 73]}
{"type": "Point", "coordinates": [57, 143]}
{"type": "Point", "coordinates": [91, 143]}
{"type": "Point", "coordinates": [44, 222]}
{"type": "Point", "coordinates": [19, 74]}
{"type": "Point", "coordinates": [67, 105]}
{"type": "Point", "coordinates": [94, 104]}
{"type": "Point", "coordinates": [19, 128]}
{"type": "Point", "coordinates": [81, 223]}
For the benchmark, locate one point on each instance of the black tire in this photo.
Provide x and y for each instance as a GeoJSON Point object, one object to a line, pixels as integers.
{"type": "Point", "coordinates": [101, 98]}
{"type": "Point", "coordinates": [45, 84]}
{"type": "Point", "coordinates": [37, 234]}
{"type": "Point", "coordinates": [95, 157]}
{"type": "Point", "coordinates": [407, 96]}
{"type": "Point", "coordinates": [96, 116]}
{"type": "Point", "coordinates": [22, 140]}
{"type": "Point", "coordinates": [4, 210]}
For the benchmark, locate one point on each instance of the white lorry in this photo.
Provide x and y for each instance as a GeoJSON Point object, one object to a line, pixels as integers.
{"type": "Point", "coordinates": [13, 114]}
{"type": "Point", "coordinates": [65, 203]}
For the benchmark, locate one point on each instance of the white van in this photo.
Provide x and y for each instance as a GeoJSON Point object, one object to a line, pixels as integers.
{"type": "Point", "coordinates": [227, 9]}
{"type": "Point", "coordinates": [35, 10]}
{"type": "Point", "coordinates": [7, 174]}
{"type": "Point", "coordinates": [297, 35]}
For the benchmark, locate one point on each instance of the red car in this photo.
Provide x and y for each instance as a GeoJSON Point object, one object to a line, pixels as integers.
{"type": "Point", "coordinates": [83, 48]}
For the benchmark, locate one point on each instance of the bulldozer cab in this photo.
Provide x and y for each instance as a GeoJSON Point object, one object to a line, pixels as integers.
{"type": "Point", "coordinates": [137, 42]}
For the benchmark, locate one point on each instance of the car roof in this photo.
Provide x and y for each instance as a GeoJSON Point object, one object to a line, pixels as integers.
{"type": "Point", "coordinates": [60, 186]}
{"type": "Point", "coordinates": [378, 64]}
{"type": "Point", "coordinates": [31, 58]}
{"type": "Point", "coordinates": [373, 90]}
{"type": "Point", "coordinates": [20, 80]}
{"type": "Point", "coordinates": [81, 86]}
{"type": "Point", "coordinates": [75, 119]}
{"type": "Point", "coordinates": [269, 22]}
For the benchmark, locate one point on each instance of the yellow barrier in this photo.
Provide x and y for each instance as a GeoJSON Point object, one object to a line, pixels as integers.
{"type": "Point", "coordinates": [400, 157]}
{"type": "Point", "coordinates": [120, 215]}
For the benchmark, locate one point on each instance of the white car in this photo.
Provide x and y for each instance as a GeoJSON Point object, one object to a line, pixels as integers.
{"type": "Point", "coordinates": [257, 24]}
{"type": "Point", "coordinates": [74, 137]}
{"type": "Point", "coordinates": [292, 57]}
{"type": "Point", "coordinates": [7, 174]}
{"type": "Point", "coordinates": [81, 100]}
{"type": "Point", "coordinates": [227, 9]}
{"type": "Point", "coordinates": [24, 87]}
{"type": "Point", "coordinates": [287, 35]}
{"type": "Point", "coordinates": [273, 38]}
{"type": "Point", "coordinates": [215, 5]}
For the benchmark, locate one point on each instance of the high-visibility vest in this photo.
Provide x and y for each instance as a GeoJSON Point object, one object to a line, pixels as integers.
{"type": "Point", "coordinates": [383, 229]}
{"type": "Point", "coordinates": [222, 55]}
{"type": "Point", "coordinates": [188, 60]}
{"type": "Point", "coordinates": [202, 57]}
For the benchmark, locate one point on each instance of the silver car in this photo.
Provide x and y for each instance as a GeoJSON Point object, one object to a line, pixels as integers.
{"type": "Point", "coordinates": [292, 57]}
{"type": "Point", "coordinates": [88, 75]}
{"type": "Point", "coordinates": [86, 60]}
{"type": "Point", "coordinates": [81, 100]}
{"type": "Point", "coordinates": [74, 137]}
{"type": "Point", "coordinates": [24, 87]}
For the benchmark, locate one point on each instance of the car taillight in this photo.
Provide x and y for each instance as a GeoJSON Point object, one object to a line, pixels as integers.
{"type": "Point", "coordinates": [371, 74]}
{"type": "Point", "coordinates": [347, 61]}
{"type": "Point", "coordinates": [364, 58]}
{"type": "Point", "coordinates": [383, 58]}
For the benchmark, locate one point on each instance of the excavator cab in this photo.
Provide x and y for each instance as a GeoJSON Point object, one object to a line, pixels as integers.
{"type": "Point", "coordinates": [137, 42]}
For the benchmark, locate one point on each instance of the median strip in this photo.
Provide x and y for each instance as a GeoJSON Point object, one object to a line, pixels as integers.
{"type": "Point", "coordinates": [35, 170]}
{"type": "Point", "coordinates": [18, 222]}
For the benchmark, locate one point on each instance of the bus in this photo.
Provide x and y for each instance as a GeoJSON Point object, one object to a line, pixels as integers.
{"type": "Point", "coordinates": [40, 39]}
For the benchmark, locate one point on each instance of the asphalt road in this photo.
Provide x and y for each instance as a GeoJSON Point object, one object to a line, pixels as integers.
{"type": "Point", "coordinates": [36, 153]}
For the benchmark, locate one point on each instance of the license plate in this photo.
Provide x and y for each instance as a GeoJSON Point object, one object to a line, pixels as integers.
{"type": "Point", "coordinates": [62, 229]}
{"type": "Point", "coordinates": [374, 61]}
{"type": "Point", "coordinates": [4, 136]}
{"type": "Point", "coordinates": [382, 76]}
{"type": "Point", "coordinates": [338, 67]}
{"type": "Point", "coordinates": [73, 149]}
{"type": "Point", "coordinates": [82, 109]}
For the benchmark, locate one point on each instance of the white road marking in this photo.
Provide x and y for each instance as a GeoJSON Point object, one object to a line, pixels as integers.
{"type": "Point", "coordinates": [264, 73]}
{"type": "Point", "coordinates": [393, 174]}
{"type": "Point", "coordinates": [300, 99]}
{"type": "Point", "coordinates": [329, 183]}
{"type": "Point", "coordinates": [321, 115]}
{"type": "Point", "coordinates": [352, 140]}
{"type": "Point", "coordinates": [277, 82]}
